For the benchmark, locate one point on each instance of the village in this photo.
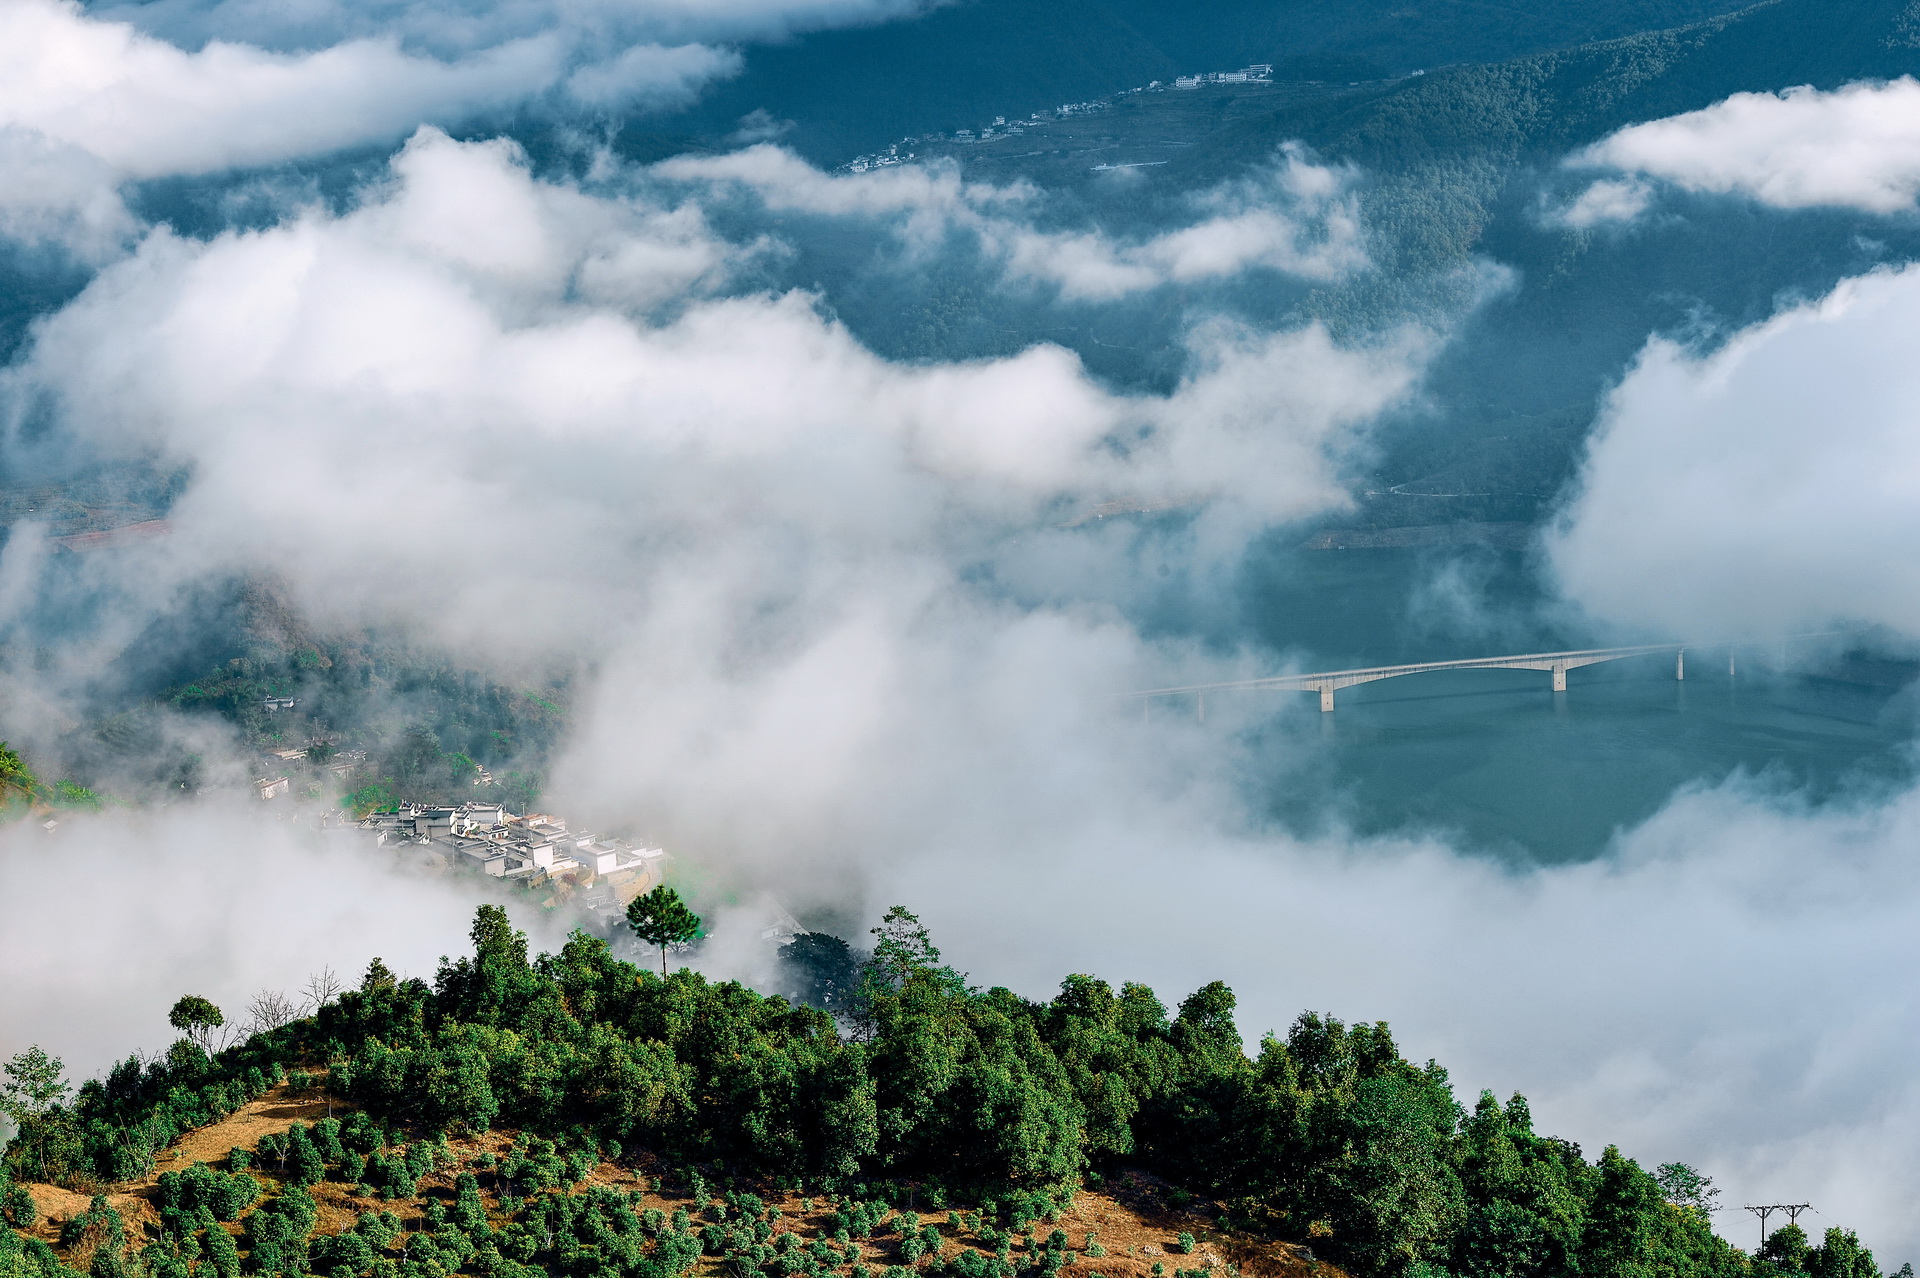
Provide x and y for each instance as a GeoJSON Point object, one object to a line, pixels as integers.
{"type": "Point", "coordinates": [899, 152]}
{"type": "Point", "coordinates": [592, 874]}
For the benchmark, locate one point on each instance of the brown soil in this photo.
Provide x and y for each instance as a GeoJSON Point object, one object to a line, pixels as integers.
{"type": "Point", "coordinates": [273, 1113]}
{"type": "Point", "coordinates": [1132, 1217]}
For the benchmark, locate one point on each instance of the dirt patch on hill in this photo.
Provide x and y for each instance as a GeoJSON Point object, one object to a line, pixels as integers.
{"type": "Point", "coordinates": [1122, 1229]}
{"type": "Point", "coordinates": [56, 1206]}
{"type": "Point", "coordinates": [273, 1113]}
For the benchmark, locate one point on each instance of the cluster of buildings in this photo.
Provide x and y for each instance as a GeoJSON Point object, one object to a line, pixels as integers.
{"type": "Point", "coordinates": [590, 872]}
{"type": "Point", "coordinates": [339, 765]}
{"type": "Point", "coordinates": [1257, 73]}
{"type": "Point", "coordinates": [593, 872]}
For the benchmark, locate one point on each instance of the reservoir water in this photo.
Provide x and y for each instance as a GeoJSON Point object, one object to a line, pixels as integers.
{"type": "Point", "coordinates": [1499, 762]}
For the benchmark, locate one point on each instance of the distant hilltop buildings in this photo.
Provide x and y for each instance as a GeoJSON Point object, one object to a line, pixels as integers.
{"type": "Point", "coordinates": [1258, 72]}
{"type": "Point", "coordinates": [591, 872]}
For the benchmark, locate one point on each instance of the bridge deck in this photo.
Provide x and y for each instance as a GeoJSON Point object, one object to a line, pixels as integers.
{"type": "Point", "coordinates": [1327, 682]}
{"type": "Point", "coordinates": [1324, 680]}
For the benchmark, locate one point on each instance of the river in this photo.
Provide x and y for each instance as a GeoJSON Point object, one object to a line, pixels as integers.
{"type": "Point", "coordinates": [1498, 761]}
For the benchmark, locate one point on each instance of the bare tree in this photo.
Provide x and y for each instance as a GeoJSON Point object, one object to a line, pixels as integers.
{"type": "Point", "coordinates": [269, 1010]}
{"type": "Point", "coordinates": [321, 987]}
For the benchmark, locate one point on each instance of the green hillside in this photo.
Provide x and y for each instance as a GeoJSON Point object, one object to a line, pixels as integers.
{"type": "Point", "coordinates": [851, 90]}
{"type": "Point", "coordinates": [922, 1090]}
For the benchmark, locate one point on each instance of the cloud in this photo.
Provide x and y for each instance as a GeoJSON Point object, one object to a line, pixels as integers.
{"type": "Point", "coordinates": [1611, 200]}
{"type": "Point", "coordinates": [205, 899]}
{"type": "Point", "coordinates": [147, 109]}
{"type": "Point", "coordinates": [1762, 489]}
{"type": "Point", "coordinates": [90, 101]}
{"type": "Point", "coordinates": [1854, 147]}
{"type": "Point", "coordinates": [1290, 216]}
{"type": "Point", "coordinates": [650, 75]}
{"type": "Point", "coordinates": [87, 105]}
{"type": "Point", "coordinates": [57, 194]}
{"type": "Point", "coordinates": [451, 28]}
{"type": "Point", "coordinates": [543, 421]}
{"type": "Point", "coordinates": [478, 326]}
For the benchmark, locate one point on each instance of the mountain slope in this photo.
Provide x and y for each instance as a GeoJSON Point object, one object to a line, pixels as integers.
{"type": "Point", "coordinates": [851, 90]}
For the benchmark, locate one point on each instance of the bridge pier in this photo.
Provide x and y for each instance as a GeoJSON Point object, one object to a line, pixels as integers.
{"type": "Point", "coordinates": [1326, 697]}
{"type": "Point", "coordinates": [1680, 664]}
{"type": "Point", "coordinates": [1559, 676]}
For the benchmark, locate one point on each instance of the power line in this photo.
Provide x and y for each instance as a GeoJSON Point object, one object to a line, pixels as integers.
{"type": "Point", "coordinates": [1793, 1211]}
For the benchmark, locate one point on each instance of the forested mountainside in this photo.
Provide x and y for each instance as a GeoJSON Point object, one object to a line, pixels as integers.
{"type": "Point", "coordinates": [1463, 168]}
{"type": "Point", "coordinates": [1448, 147]}
{"type": "Point", "coordinates": [1544, 105]}
{"type": "Point", "coordinates": [847, 91]}
{"type": "Point", "coordinates": [921, 1091]}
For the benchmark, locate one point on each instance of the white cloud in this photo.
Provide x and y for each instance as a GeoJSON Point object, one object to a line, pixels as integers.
{"type": "Point", "coordinates": [1609, 200]}
{"type": "Point", "coordinates": [53, 193]}
{"type": "Point", "coordinates": [89, 101]}
{"type": "Point", "coordinates": [463, 410]}
{"type": "Point", "coordinates": [484, 335]}
{"type": "Point", "coordinates": [448, 28]}
{"type": "Point", "coordinates": [146, 108]}
{"type": "Point", "coordinates": [206, 899]}
{"type": "Point", "coordinates": [1769, 487]}
{"type": "Point", "coordinates": [1290, 216]}
{"type": "Point", "coordinates": [650, 75]}
{"type": "Point", "coordinates": [1855, 147]}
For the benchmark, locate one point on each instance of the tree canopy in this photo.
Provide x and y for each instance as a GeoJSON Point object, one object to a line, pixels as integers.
{"type": "Point", "coordinates": [1326, 1135]}
{"type": "Point", "coordinates": [661, 918]}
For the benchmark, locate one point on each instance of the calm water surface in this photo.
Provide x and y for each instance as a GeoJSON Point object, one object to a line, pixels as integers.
{"type": "Point", "coordinates": [1504, 764]}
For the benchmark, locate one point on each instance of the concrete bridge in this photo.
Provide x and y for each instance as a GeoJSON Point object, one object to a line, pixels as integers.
{"type": "Point", "coordinates": [1327, 683]}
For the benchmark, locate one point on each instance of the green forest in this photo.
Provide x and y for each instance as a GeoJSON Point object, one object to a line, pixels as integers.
{"type": "Point", "coordinates": [915, 1088]}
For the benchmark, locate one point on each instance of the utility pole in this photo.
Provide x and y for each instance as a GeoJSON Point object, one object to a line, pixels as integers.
{"type": "Point", "coordinates": [1793, 1211]}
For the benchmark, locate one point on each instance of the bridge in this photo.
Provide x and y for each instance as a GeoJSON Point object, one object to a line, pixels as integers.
{"type": "Point", "coordinates": [1327, 683]}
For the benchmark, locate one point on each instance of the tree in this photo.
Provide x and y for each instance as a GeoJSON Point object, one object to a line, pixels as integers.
{"type": "Point", "coordinates": [902, 947]}
{"type": "Point", "coordinates": [309, 1168]}
{"type": "Point", "coordinates": [321, 987]}
{"type": "Point", "coordinates": [822, 970]}
{"type": "Point", "coordinates": [379, 977]}
{"type": "Point", "coordinates": [1786, 1251]}
{"type": "Point", "coordinates": [33, 1087]}
{"type": "Point", "coordinates": [1840, 1255]}
{"type": "Point", "coordinates": [197, 1018]}
{"type": "Point", "coordinates": [661, 918]}
{"type": "Point", "coordinates": [16, 778]}
{"type": "Point", "coordinates": [269, 1010]}
{"type": "Point", "coordinates": [496, 941]}
{"type": "Point", "coordinates": [1685, 1187]}
{"type": "Point", "coordinates": [33, 1083]}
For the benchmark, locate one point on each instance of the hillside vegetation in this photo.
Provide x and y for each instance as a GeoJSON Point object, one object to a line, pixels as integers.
{"type": "Point", "coordinates": [850, 90]}
{"type": "Point", "coordinates": [927, 1092]}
